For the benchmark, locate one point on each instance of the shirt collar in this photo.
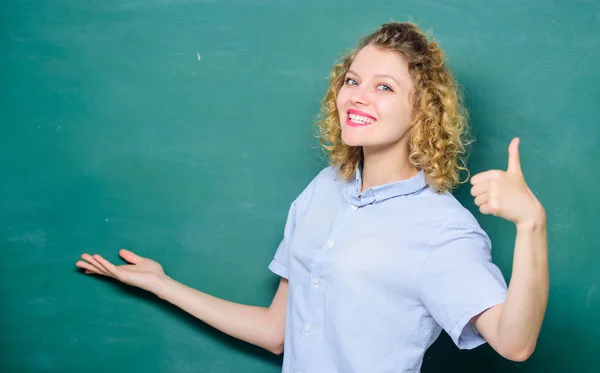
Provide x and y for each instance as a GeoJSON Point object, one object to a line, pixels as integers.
{"type": "Point", "coordinates": [379, 193]}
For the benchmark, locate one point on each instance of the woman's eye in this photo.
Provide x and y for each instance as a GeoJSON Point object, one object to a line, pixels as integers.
{"type": "Point", "coordinates": [351, 81]}
{"type": "Point", "coordinates": [384, 87]}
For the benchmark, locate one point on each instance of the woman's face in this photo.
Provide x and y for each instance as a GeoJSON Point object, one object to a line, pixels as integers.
{"type": "Point", "coordinates": [374, 102]}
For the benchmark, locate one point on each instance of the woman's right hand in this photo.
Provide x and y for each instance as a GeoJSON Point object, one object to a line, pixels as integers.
{"type": "Point", "coordinates": [143, 273]}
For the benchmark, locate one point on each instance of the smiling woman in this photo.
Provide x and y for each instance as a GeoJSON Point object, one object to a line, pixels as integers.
{"type": "Point", "coordinates": [434, 135]}
{"type": "Point", "coordinates": [389, 101]}
{"type": "Point", "coordinates": [377, 256]}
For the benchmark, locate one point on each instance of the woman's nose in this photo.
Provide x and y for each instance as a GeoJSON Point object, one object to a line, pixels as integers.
{"type": "Point", "coordinates": [359, 96]}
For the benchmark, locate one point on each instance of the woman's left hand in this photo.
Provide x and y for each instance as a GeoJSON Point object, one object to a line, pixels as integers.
{"type": "Point", "coordinates": [506, 194]}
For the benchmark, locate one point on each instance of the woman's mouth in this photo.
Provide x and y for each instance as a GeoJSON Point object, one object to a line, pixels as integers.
{"type": "Point", "coordinates": [357, 118]}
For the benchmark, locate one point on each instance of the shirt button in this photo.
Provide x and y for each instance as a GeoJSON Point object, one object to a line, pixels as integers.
{"type": "Point", "coordinates": [307, 328]}
{"type": "Point", "coordinates": [330, 243]}
{"type": "Point", "coordinates": [378, 197]}
{"type": "Point", "coordinates": [316, 281]}
{"type": "Point", "coordinates": [354, 207]}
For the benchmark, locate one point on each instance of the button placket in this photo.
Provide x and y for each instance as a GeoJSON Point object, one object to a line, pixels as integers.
{"type": "Point", "coordinates": [315, 282]}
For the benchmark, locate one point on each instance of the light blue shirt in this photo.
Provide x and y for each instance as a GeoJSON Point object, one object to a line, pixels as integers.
{"type": "Point", "coordinates": [375, 277]}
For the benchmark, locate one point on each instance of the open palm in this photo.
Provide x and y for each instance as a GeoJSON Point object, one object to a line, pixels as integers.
{"type": "Point", "coordinates": [141, 272]}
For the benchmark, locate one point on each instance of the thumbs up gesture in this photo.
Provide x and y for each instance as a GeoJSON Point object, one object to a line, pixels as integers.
{"type": "Point", "coordinates": [505, 193]}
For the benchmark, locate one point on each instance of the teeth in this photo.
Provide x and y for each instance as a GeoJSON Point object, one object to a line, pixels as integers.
{"type": "Point", "coordinates": [360, 119]}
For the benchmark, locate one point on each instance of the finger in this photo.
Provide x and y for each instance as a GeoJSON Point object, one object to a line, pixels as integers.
{"type": "Point", "coordinates": [514, 159]}
{"type": "Point", "coordinates": [486, 176]}
{"type": "Point", "coordinates": [108, 266]}
{"type": "Point", "coordinates": [486, 209]}
{"type": "Point", "coordinates": [482, 199]}
{"type": "Point", "coordinates": [92, 262]}
{"type": "Point", "coordinates": [480, 188]}
{"type": "Point", "coordinates": [130, 256]}
{"type": "Point", "coordinates": [90, 269]}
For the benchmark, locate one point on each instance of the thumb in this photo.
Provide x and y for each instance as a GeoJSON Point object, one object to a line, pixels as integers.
{"type": "Point", "coordinates": [514, 159]}
{"type": "Point", "coordinates": [130, 257]}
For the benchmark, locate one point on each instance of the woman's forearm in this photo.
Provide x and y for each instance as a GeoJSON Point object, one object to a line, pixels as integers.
{"type": "Point", "coordinates": [523, 311]}
{"type": "Point", "coordinates": [260, 326]}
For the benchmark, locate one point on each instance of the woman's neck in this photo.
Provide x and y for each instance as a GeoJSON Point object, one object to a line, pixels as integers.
{"type": "Point", "coordinates": [384, 167]}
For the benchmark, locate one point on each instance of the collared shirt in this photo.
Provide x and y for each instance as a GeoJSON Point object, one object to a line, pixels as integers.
{"type": "Point", "coordinates": [374, 277]}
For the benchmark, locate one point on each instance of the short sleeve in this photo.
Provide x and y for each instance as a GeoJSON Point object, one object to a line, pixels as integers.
{"type": "Point", "coordinates": [279, 264]}
{"type": "Point", "coordinates": [457, 281]}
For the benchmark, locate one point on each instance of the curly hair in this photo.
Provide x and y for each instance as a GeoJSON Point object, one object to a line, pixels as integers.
{"type": "Point", "coordinates": [439, 133]}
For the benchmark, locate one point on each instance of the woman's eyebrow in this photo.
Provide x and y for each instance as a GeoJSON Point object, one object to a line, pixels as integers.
{"type": "Point", "coordinates": [387, 76]}
{"type": "Point", "coordinates": [377, 76]}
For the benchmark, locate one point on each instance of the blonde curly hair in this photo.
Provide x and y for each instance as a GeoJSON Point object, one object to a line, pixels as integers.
{"type": "Point", "coordinates": [439, 134]}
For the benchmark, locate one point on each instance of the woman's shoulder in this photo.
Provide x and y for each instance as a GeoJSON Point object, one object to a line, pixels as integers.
{"type": "Point", "coordinates": [448, 220]}
{"type": "Point", "coordinates": [449, 211]}
{"type": "Point", "coordinates": [329, 174]}
{"type": "Point", "coordinates": [326, 177]}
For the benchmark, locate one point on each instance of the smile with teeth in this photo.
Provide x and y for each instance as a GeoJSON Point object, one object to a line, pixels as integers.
{"type": "Point", "coordinates": [359, 119]}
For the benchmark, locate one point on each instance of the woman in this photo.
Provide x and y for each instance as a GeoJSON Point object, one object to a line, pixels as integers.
{"type": "Point", "coordinates": [377, 256]}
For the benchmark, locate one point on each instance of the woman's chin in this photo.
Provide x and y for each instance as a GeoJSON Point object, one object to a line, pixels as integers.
{"type": "Point", "coordinates": [352, 143]}
{"type": "Point", "coordinates": [352, 140]}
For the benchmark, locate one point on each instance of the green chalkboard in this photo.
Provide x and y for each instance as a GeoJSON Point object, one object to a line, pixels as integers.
{"type": "Point", "coordinates": [182, 130]}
